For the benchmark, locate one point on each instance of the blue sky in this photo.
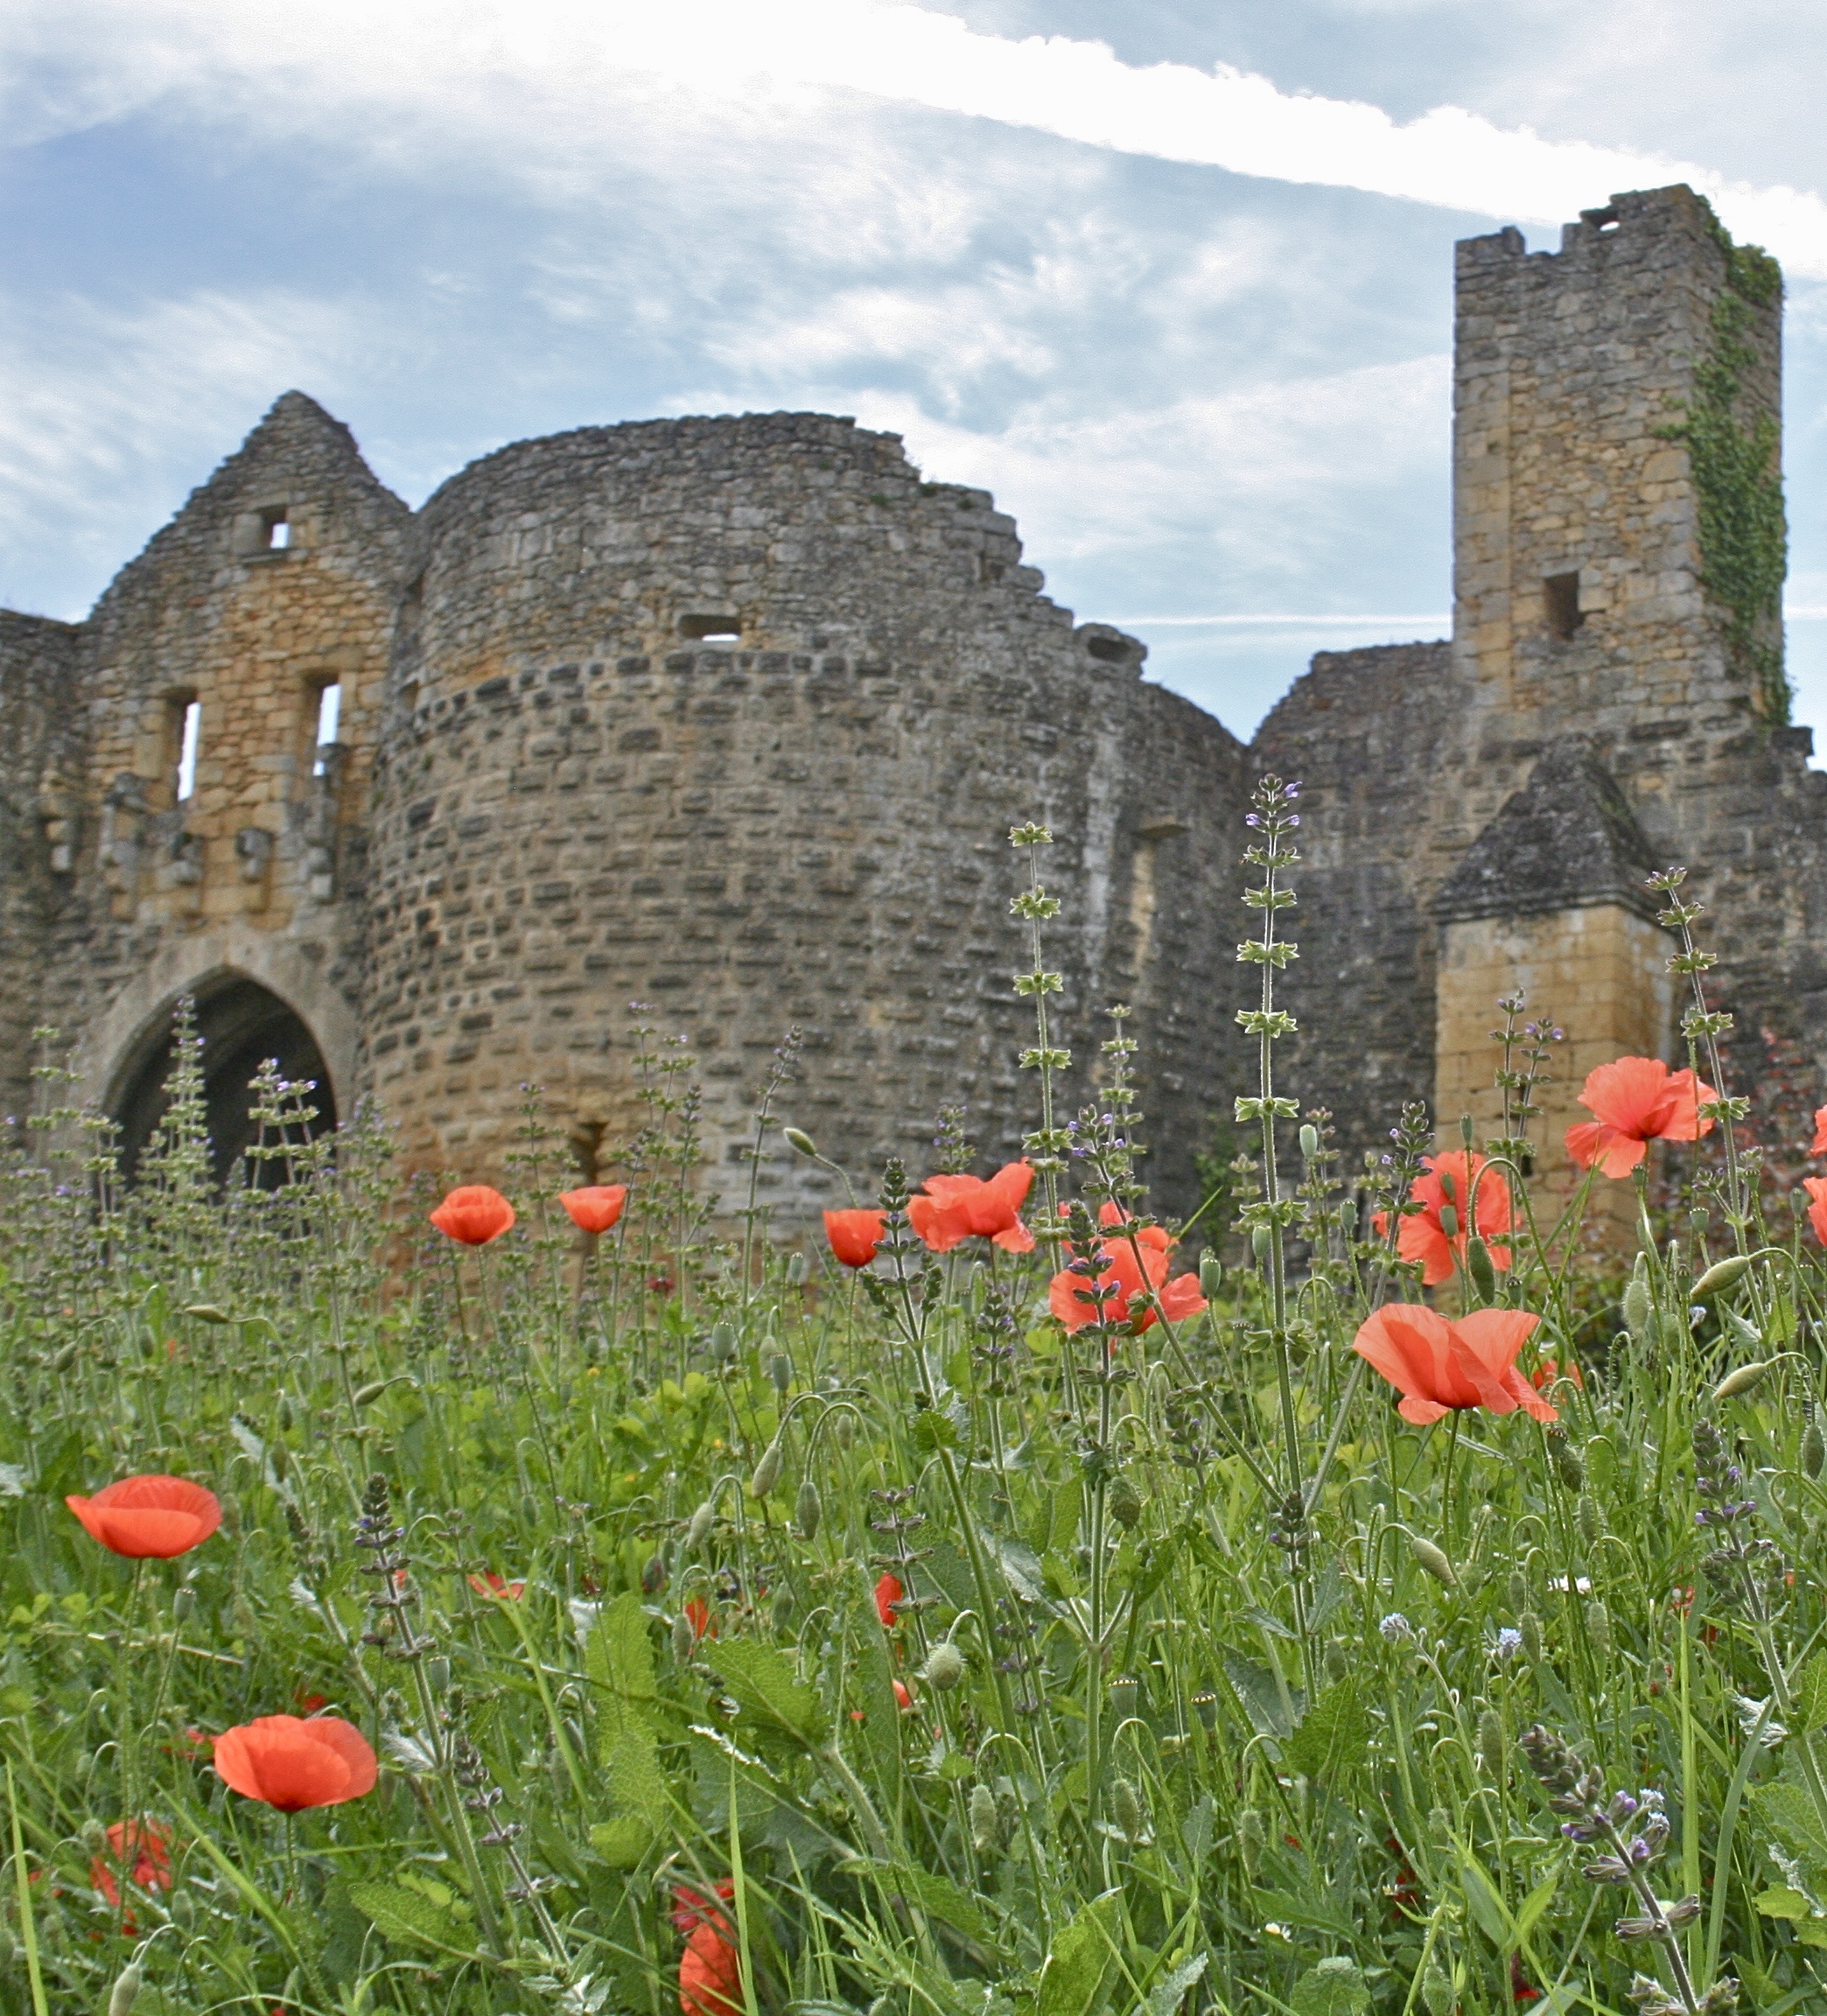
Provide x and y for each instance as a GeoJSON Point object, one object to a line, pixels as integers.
{"type": "Point", "coordinates": [1172, 279]}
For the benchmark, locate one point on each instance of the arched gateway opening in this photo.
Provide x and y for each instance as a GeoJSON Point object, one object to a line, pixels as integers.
{"type": "Point", "coordinates": [242, 1024]}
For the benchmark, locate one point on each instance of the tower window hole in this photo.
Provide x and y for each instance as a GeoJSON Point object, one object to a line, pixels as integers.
{"type": "Point", "coordinates": [276, 532]}
{"type": "Point", "coordinates": [188, 736]}
{"type": "Point", "coordinates": [711, 629]}
{"type": "Point", "coordinates": [1560, 596]}
{"type": "Point", "coordinates": [329, 720]}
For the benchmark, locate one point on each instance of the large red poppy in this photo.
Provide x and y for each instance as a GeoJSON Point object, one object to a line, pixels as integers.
{"type": "Point", "coordinates": [150, 1518]}
{"type": "Point", "coordinates": [1178, 1298]}
{"type": "Point", "coordinates": [141, 1851]}
{"type": "Point", "coordinates": [474, 1214]}
{"type": "Point", "coordinates": [711, 1967]}
{"type": "Point", "coordinates": [1438, 1366]}
{"type": "Point", "coordinates": [1449, 1179]}
{"type": "Point", "coordinates": [955, 1208]}
{"type": "Point", "coordinates": [854, 1235]}
{"type": "Point", "coordinates": [292, 1764]}
{"type": "Point", "coordinates": [596, 1208]}
{"type": "Point", "coordinates": [888, 1593]}
{"type": "Point", "coordinates": [1637, 1100]}
{"type": "Point", "coordinates": [489, 1584]}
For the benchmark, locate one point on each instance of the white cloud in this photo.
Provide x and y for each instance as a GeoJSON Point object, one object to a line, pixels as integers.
{"type": "Point", "coordinates": [94, 398]}
{"type": "Point", "coordinates": [538, 82]}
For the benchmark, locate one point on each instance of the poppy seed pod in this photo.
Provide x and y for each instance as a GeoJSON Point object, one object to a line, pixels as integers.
{"type": "Point", "coordinates": [1126, 1809]}
{"type": "Point", "coordinates": [780, 1369]}
{"type": "Point", "coordinates": [722, 1342]}
{"type": "Point", "coordinates": [1309, 1140]}
{"type": "Point", "coordinates": [1743, 1379]}
{"type": "Point", "coordinates": [985, 1821]}
{"type": "Point", "coordinates": [1211, 1275]}
{"type": "Point", "coordinates": [1814, 1450]}
{"type": "Point", "coordinates": [767, 1471]}
{"type": "Point", "coordinates": [1125, 1692]}
{"type": "Point", "coordinates": [437, 1673]}
{"type": "Point", "coordinates": [807, 1509]}
{"type": "Point", "coordinates": [700, 1524]}
{"type": "Point", "coordinates": [1722, 1275]}
{"type": "Point", "coordinates": [1433, 1559]}
{"type": "Point", "coordinates": [944, 1667]}
{"type": "Point", "coordinates": [801, 1142]}
{"type": "Point", "coordinates": [1259, 1240]}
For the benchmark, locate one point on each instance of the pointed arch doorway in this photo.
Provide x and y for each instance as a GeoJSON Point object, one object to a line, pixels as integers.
{"type": "Point", "coordinates": [242, 1024]}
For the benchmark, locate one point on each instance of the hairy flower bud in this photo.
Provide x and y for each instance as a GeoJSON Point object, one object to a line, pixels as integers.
{"type": "Point", "coordinates": [1598, 1624]}
{"type": "Point", "coordinates": [807, 1509]}
{"type": "Point", "coordinates": [1123, 1502]}
{"type": "Point", "coordinates": [1433, 1559]}
{"type": "Point", "coordinates": [1309, 1140]}
{"type": "Point", "coordinates": [985, 1820]}
{"type": "Point", "coordinates": [700, 1524]}
{"type": "Point", "coordinates": [796, 1268]}
{"type": "Point", "coordinates": [1586, 1517]}
{"type": "Point", "coordinates": [1814, 1450]}
{"type": "Point", "coordinates": [1126, 1810]}
{"type": "Point", "coordinates": [1252, 1838]}
{"type": "Point", "coordinates": [1450, 1220]}
{"type": "Point", "coordinates": [1636, 1300]}
{"type": "Point", "coordinates": [126, 1989]}
{"type": "Point", "coordinates": [1742, 1379]}
{"type": "Point", "coordinates": [684, 1638]}
{"type": "Point", "coordinates": [1530, 1627]}
{"type": "Point", "coordinates": [1479, 1265]}
{"type": "Point", "coordinates": [944, 1667]}
{"type": "Point", "coordinates": [1338, 1661]}
{"type": "Point", "coordinates": [844, 1428]}
{"type": "Point", "coordinates": [780, 1369]}
{"type": "Point", "coordinates": [1722, 1275]}
{"type": "Point", "coordinates": [767, 1471]}
{"type": "Point", "coordinates": [1492, 1747]}
{"type": "Point", "coordinates": [801, 1142]}
{"type": "Point", "coordinates": [1516, 1592]}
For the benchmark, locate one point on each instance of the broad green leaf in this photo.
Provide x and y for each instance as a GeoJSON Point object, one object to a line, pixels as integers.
{"type": "Point", "coordinates": [1808, 1695]}
{"type": "Point", "coordinates": [622, 1842]}
{"type": "Point", "coordinates": [1165, 1998]}
{"type": "Point", "coordinates": [1073, 1976]}
{"type": "Point", "coordinates": [762, 1683]}
{"type": "Point", "coordinates": [1487, 1907]}
{"type": "Point", "coordinates": [937, 1895]}
{"type": "Point", "coordinates": [631, 1762]}
{"type": "Point", "coordinates": [1787, 1811]}
{"type": "Point", "coordinates": [400, 1914]}
{"type": "Point", "coordinates": [1262, 1698]}
{"type": "Point", "coordinates": [1334, 1987]}
{"type": "Point", "coordinates": [1331, 1736]}
{"type": "Point", "coordinates": [1782, 1902]}
{"type": "Point", "coordinates": [619, 1657]}
{"type": "Point", "coordinates": [1529, 1913]}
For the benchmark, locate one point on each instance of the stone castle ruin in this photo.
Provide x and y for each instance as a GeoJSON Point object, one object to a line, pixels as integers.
{"type": "Point", "coordinates": [732, 717]}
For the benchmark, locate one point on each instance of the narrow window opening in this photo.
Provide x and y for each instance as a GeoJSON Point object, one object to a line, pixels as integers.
{"type": "Point", "coordinates": [711, 629]}
{"type": "Point", "coordinates": [189, 734]}
{"type": "Point", "coordinates": [1560, 594]}
{"type": "Point", "coordinates": [278, 531]}
{"type": "Point", "coordinates": [329, 720]}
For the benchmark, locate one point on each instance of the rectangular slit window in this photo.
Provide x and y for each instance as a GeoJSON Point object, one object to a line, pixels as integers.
{"type": "Point", "coordinates": [329, 720]}
{"type": "Point", "coordinates": [277, 524]}
{"type": "Point", "coordinates": [189, 735]}
{"type": "Point", "coordinates": [1560, 594]}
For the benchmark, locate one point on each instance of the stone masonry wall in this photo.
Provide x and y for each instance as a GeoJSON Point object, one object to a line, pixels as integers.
{"type": "Point", "coordinates": [582, 800]}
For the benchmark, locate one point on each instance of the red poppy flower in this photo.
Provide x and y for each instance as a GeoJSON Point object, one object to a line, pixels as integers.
{"type": "Point", "coordinates": [474, 1214]}
{"type": "Point", "coordinates": [596, 1208]}
{"type": "Point", "coordinates": [292, 1764]}
{"type": "Point", "coordinates": [704, 1624]}
{"type": "Point", "coordinates": [888, 1593]}
{"type": "Point", "coordinates": [308, 1704]}
{"type": "Point", "coordinates": [711, 1967]}
{"type": "Point", "coordinates": [854, 1236]}
{"type": "Point", "coordinates": [904, 1697]}
{"type": "Point", "coordinates": [1521, 1990]}
{"type": "Point", "coordinates": [1636, 1099]}
{"type": "Point", "coordinates": [1438, 1366]}
{"type": "Point", "coordinates": [1450, 1179]}
{"type": "Point", "coordinates": [150, 1518]}
{"type": "Point", "coordinates": [490, 1584]}
{"type": "Point", "coordinates": [1550, 1369]}
{"type": "Point", "coordinates": [1816, 1188]}
{"type": "Point", "coordinates": [955, 1208]}
{"type": "Point", "coordinates": [1818, 1145]}
{"type": "Point", "coordinates": [1178, 1298]}
{"type": "Point", "coordinates": [141, 1851]}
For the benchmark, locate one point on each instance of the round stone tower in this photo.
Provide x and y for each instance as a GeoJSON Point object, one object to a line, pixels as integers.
{"type": "Point", "coordinates": [732, 717]}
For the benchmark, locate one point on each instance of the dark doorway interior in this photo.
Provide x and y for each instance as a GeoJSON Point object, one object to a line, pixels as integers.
{"type": "Point", "coordinates": [241, 1024]}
